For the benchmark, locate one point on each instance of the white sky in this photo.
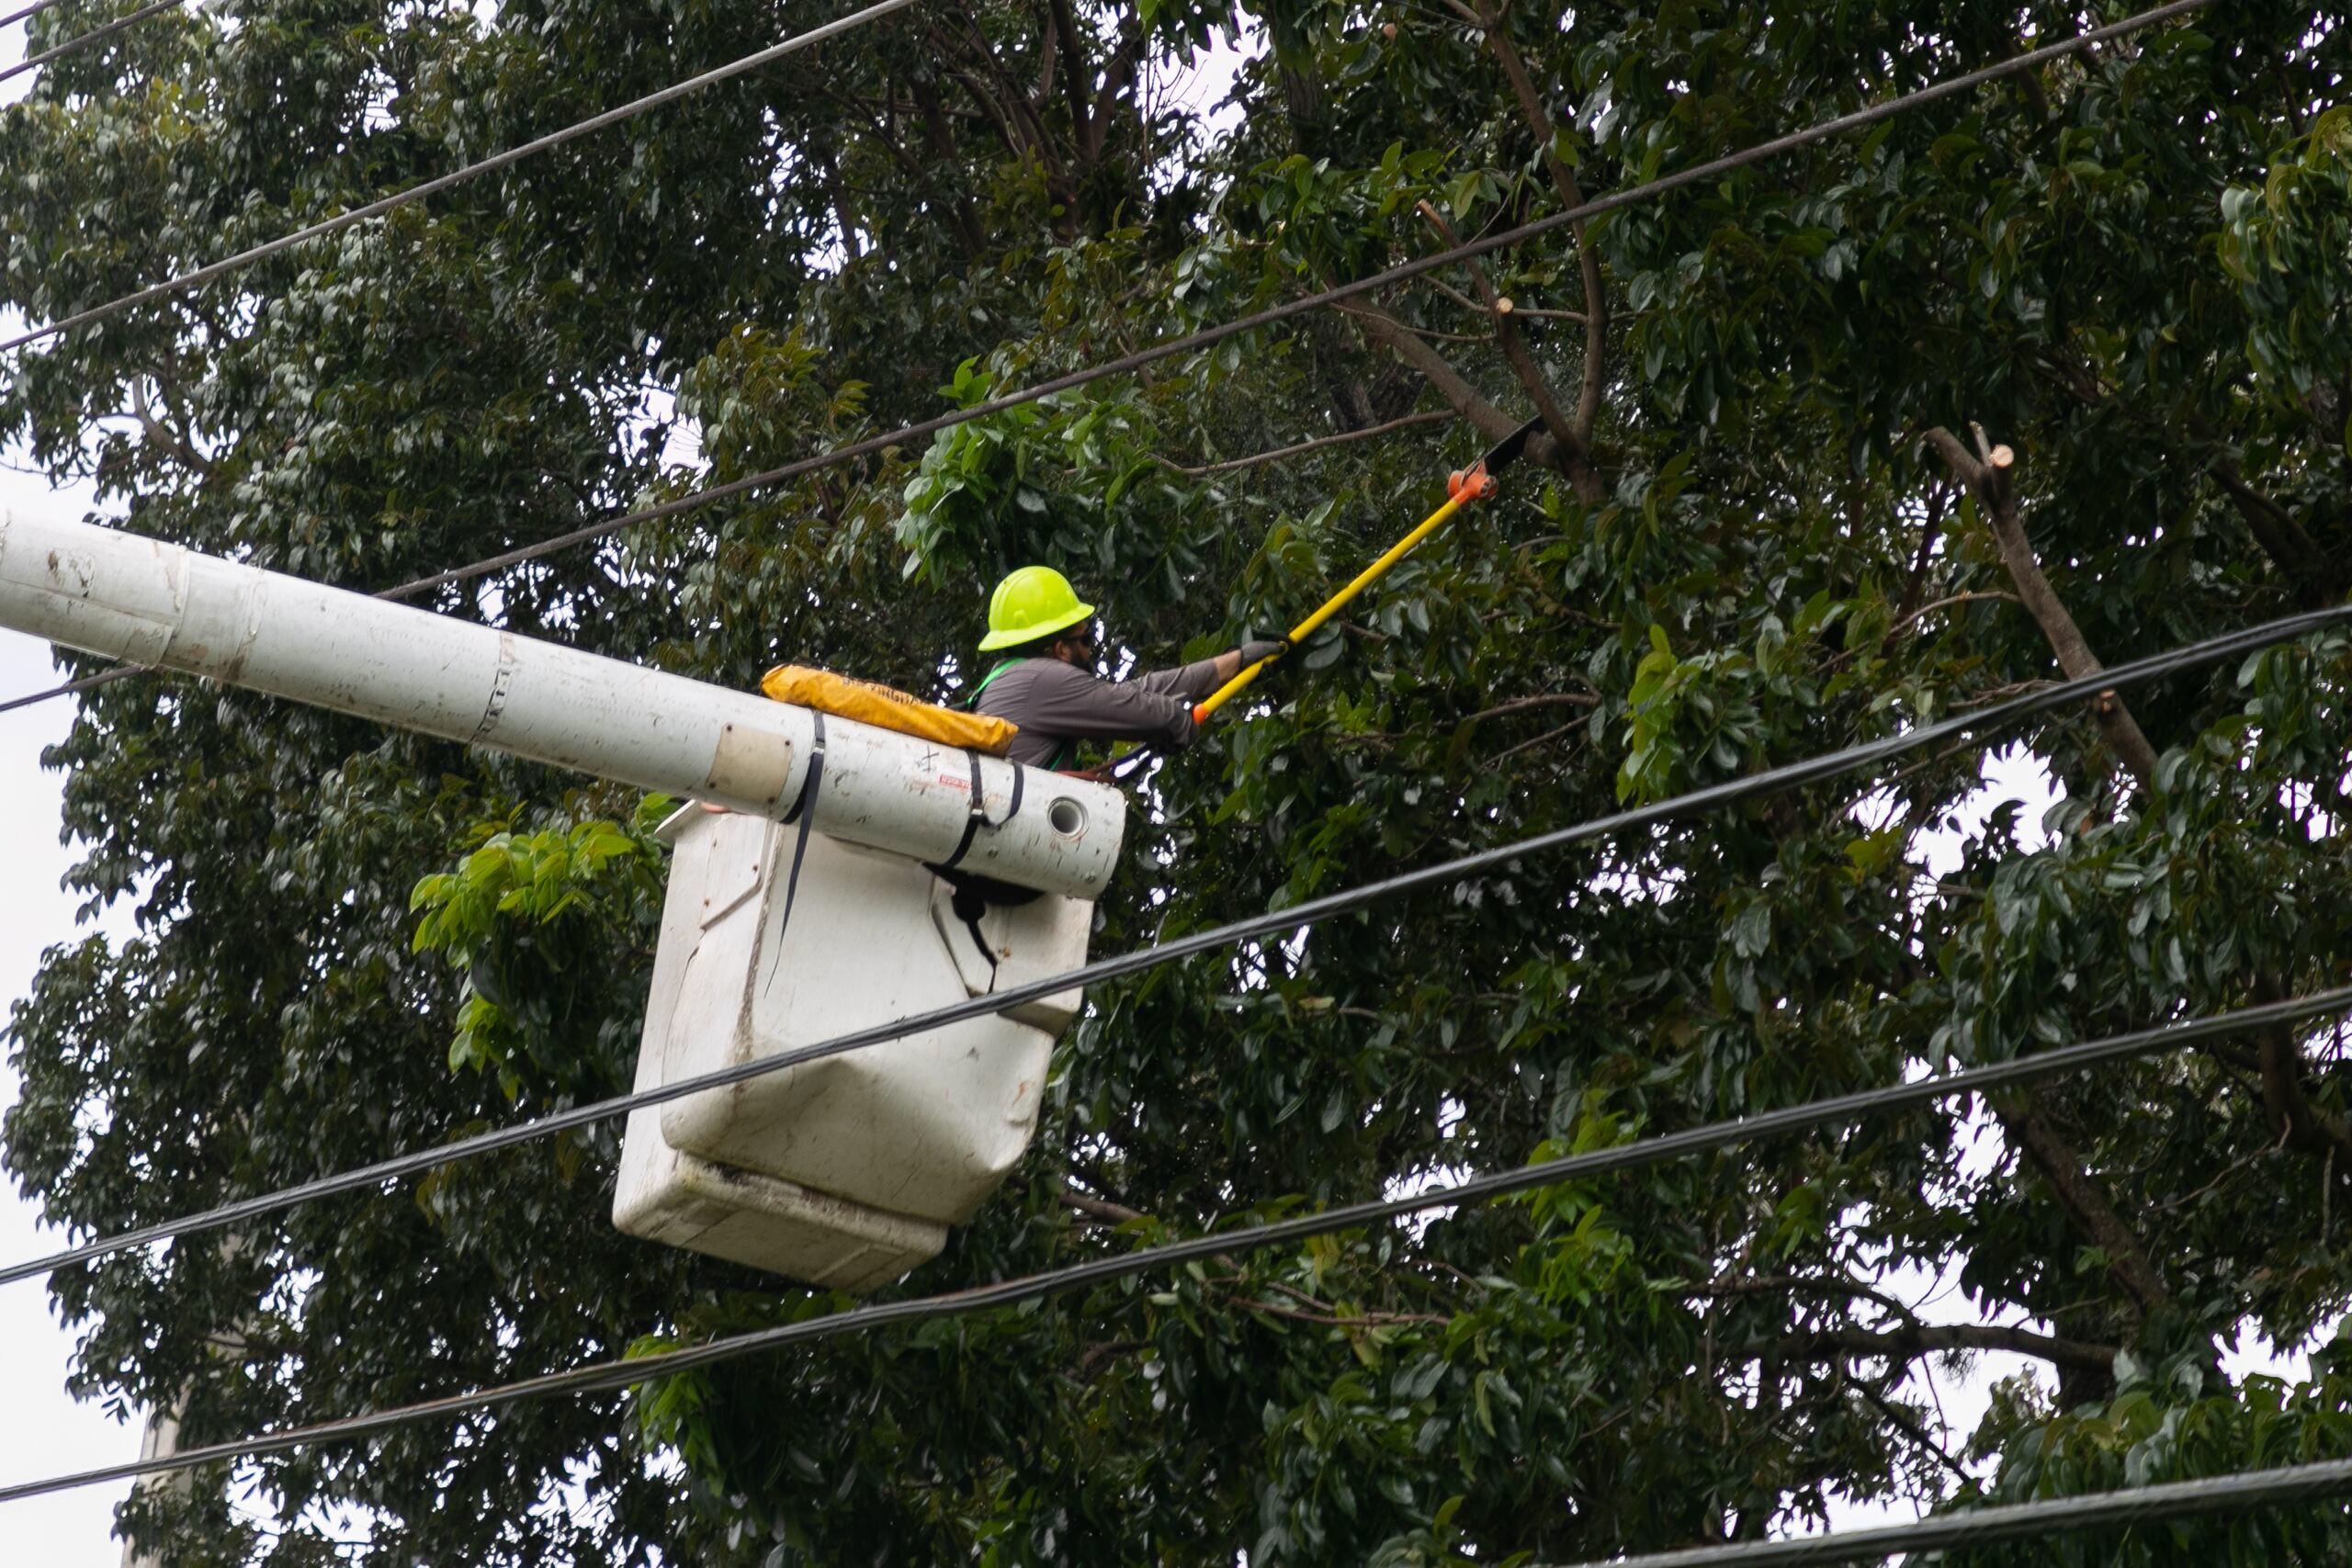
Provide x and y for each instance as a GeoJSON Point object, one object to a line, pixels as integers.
{"type": "Point", "coordinates": [45, 1431]}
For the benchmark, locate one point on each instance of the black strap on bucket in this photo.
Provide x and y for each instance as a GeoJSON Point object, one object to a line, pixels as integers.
{"type": "Point", "coordinates": [978, 817]}
{"type": "Point", "coordinates": [804, 813]}
{"type": "Point", "coordinates": [973, 892]}
{"type": "Point", "coordinates": [970, 907]}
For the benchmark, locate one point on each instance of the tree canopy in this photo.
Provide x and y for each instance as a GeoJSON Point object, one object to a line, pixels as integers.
{"type": "Point", "coordinates": [1758, 522]}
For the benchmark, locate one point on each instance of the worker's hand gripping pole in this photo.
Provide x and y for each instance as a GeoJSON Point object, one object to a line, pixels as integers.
{"type": "Point", "coordinates": [1475, 483]}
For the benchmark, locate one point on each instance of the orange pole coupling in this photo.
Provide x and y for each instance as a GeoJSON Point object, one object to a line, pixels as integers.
{"type": "Point", "coordinates": [1473, 483]}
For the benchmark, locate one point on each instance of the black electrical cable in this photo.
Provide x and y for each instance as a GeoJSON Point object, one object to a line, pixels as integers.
{"type": "Point", "coordinates": [2160, 1504]}
{"type": "Point", "coordinates": [1787, 776]}
{"type": "Point", "coordinates": [79, 683]}
{"type": "Point", "coordinates": [1210, 336]}
{"type": "Point", "coordinates": [96, 34]}
{"type": "Point", "coordinates": [1839, 1108]}
{"type": "Point", "coordinates": [1125, 363]}
{"type": "Point", "coordinates": [13, 18]}
{"type": "Point", "coordinates": [207, 273]}
{"type": "Point", "coordinates": [1189, 341]}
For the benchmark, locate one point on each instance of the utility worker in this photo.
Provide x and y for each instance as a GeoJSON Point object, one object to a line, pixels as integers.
{"type": "Point", "coordinates": [1045, 682]}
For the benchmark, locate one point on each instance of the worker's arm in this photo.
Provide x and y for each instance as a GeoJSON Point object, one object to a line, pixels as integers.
{"type": "Point", "coordinates": [1197, 680]}
{"type": "Point", "coordinates": [1062, 700]}
{"type": "Point", "coordinates": [1189, 683]}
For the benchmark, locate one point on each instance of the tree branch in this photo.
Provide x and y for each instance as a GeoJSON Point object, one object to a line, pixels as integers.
{"type": "Point", "coordinates": [1902, 1422]}
{"type": "Point", "coordinates": [1429, 416]}
{"type": "Point", "coordinates": [1991, 478]}
{"type": "Point", "coordinates": [1522, 363]}
{"type": "Point", "coordinates": [1912, 1341]}
{"type": "Point", "coordinates": [1548, 736]}
{"type": "Point", "coordinates": [1938, 499]}
{"type": "Point", "coordinates": [1466, 401]}
{"type": "Point", "coordinates": [1368, 1320]}
{"type": "Point", "coordinates": [2085, 1203]}
{"type": "Point", "coordinates": [1946, 603]}
{"type": "Point", "coordinates": [2294, 1120]}
{"type": "Point", "coordinates": [1529, 311]}
{"type": "Point", "coordinates": [1094, 1208]}
{"type": "Point", "coordinates": [1074, 75]}
{"type": "Point", "coordinates": [1564, 180]}
{"type": "Point", "coordinates": [2312, 577]}
{"type": "Point", "coordinates": [1548, 700]}
{"type": "Point", "coordinates": [1802, 1285]}
{"type": "Point", "coordinates": [162, 435]}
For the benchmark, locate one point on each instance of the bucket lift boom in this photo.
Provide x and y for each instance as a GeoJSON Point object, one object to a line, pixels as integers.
{"type": "Point", "coordinates": [845, 1171]}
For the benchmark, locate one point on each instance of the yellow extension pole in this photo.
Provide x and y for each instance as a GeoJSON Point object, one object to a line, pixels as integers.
{"type": "Point", "coordinates": [1364, 579]}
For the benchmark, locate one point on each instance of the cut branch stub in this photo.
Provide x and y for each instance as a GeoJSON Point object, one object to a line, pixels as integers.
{"type": "Point", "coordinates": [1990, 474]}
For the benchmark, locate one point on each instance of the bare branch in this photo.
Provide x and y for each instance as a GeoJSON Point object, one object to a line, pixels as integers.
{"type": "Point", "coordinates": [1492, 422]}
{"type": "Point", "coordinates": [1902, 1422]}
{"type": "Point", "coordinates": [162, 435]}
{"type": "Point", "coordinates": [1937, 501]}
{"type": "Point", "coordinates": [1548, 700]}
{"type": "Point", "coordinates": [2081, 1197]}
{"type": "Point", "coordinates": [1912, 1341]}
{"type": "Point", "coordinates": [1946, 603]}
{"type": "Point", "coordinates": [1546, 738]}
{"type": "Point", "coordinates": [1428, 416]}
{"type": "Point", "coordinates": [2316, 578]}
{"type": "Point", "coordinates": [2294, 1120]}
{"type": "Point", "coordinates": [1522, 363]}
{"type": "Point", "coordinates": [1364, 1320]}
{"type": "Point", "coordinates": [1457, 295]}
{"type": "Point", "coordinates": [1564, 180]}
{"type": "Point", "coordinates": [1802, 1285]}
{"type": "Point", "coordinates": [1514, 309]}
{"type": "Point", "coordinates": [1095, 1208]}
{"type": "Point", "coordinates": [1989, 474]}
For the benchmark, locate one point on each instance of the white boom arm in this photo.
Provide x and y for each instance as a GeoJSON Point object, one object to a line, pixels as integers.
{"type": "Point", "coordinates": [149, 602]}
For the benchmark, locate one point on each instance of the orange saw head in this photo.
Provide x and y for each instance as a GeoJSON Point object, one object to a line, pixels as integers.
{"type": "Point", "coordinates": [1476, 482]}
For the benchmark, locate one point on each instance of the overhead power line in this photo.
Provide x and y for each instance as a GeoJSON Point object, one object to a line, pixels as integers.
{"type": "Point", "coordinates": [1631, 194]}
{"type": "Point", "coordinates": [491, 164]}
{"type": "Point", "coordinates": [1210, 336]}
{"type": "Point", "coordinates": [1125, 364]}
{"type": "Point", "coordinates": [96, 34]}
{"type": "Point", "coordinates": [1500, 858]}
{"type": "Point", "coordinates": [2160, 1504]}
{"type": "Point", "coordinates": [13, 18]}
{"type": "Point", "coordinates": [1846, 1108]}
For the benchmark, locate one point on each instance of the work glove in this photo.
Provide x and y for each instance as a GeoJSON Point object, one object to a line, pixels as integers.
{"type": "Point", "coordinates": [1261, 647]}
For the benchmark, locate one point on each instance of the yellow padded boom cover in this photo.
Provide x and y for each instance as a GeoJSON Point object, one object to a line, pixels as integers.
{"type": "Point", "coordinates": [888, 708]}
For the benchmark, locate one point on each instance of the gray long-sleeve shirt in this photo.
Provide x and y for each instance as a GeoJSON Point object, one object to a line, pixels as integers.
{"type": "Point", "coordinates": [1055, 704]}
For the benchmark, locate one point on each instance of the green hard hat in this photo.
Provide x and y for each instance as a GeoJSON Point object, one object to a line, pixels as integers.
{"type": "Point", "coordinates": [1031, 603]}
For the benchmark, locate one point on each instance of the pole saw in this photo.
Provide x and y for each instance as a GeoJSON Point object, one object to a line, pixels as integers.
{"type": "Point", "coordinates": [1476, 482]}
{"type": "Point", "coordinates": [1463, 486]}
